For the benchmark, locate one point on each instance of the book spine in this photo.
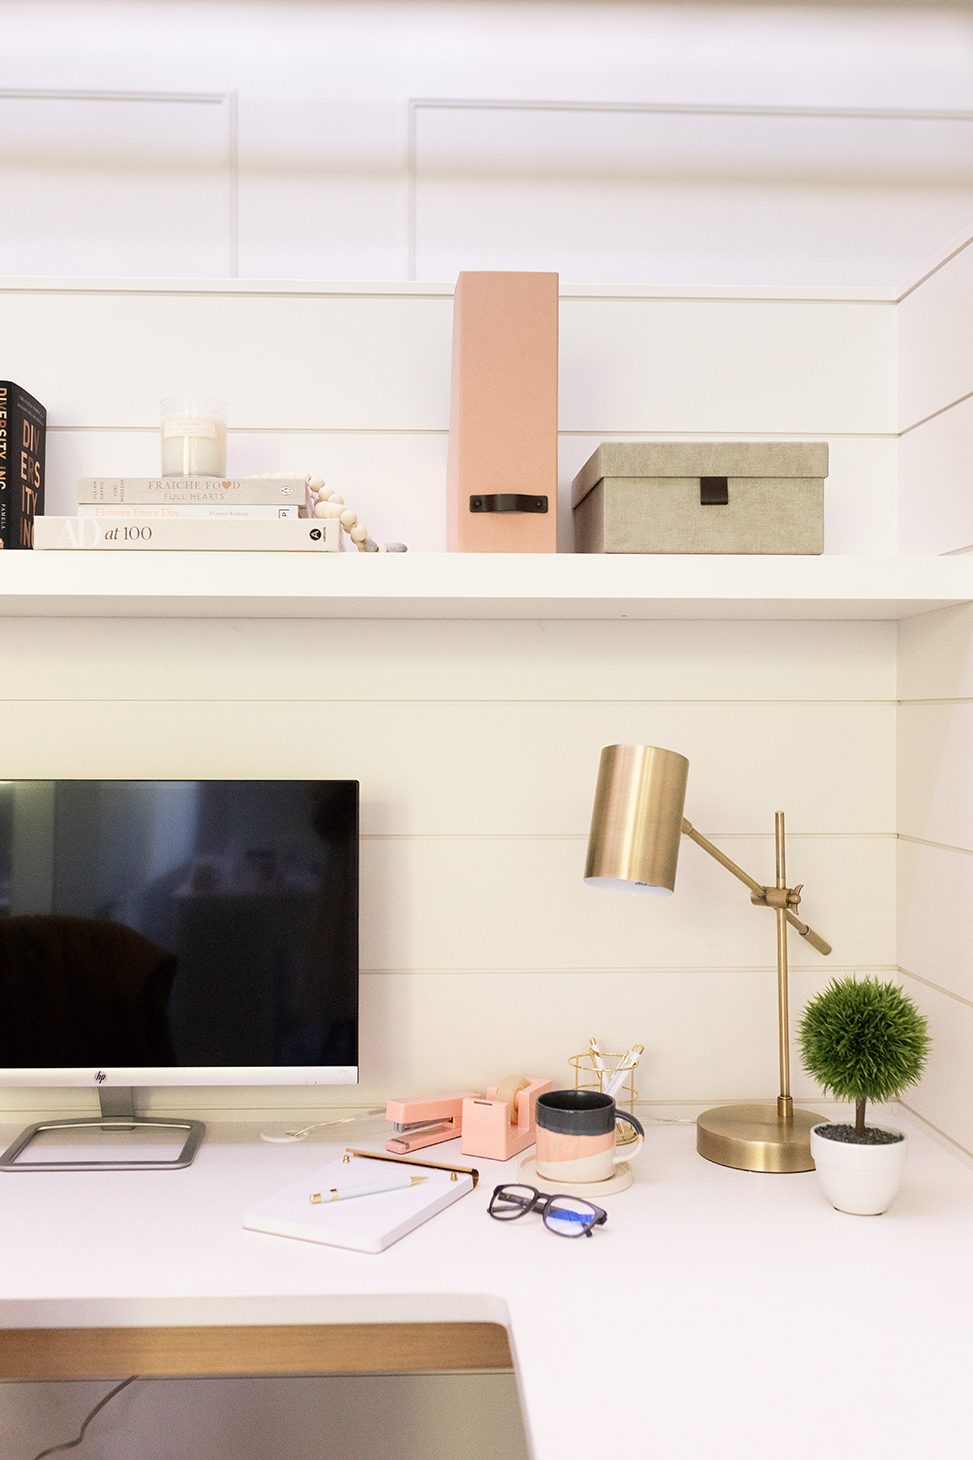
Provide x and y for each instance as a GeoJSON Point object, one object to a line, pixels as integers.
{"type": "Point", "coordinates": [184, 511]}
{"type": "Point", "coordinates": [23, 431]}
{"type": "Point", "coordinates": [249, 491]}
{"type": "Point", "coordinates": [235, 535]}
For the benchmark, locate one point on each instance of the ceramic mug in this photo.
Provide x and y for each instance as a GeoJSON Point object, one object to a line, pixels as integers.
{"type": "Point", "coordinates": [576, 1136]}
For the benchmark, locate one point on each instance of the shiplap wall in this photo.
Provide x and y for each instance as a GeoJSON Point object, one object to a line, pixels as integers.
{"type": "Point", "coordinates": [935, 688]}
{"type": "Point", "coordinates": [477, 743]}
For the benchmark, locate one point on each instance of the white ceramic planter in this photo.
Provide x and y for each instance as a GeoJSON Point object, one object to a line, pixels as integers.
{"type": "Point", "coordinates": [862, 1180]}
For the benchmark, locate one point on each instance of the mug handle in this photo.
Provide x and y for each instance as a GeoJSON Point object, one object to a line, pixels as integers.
{"type": "Point", "coordinates": [628, 1152]}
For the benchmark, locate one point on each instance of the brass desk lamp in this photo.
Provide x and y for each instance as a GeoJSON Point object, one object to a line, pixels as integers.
{"type": "Point", "coordinates": [636, 825]}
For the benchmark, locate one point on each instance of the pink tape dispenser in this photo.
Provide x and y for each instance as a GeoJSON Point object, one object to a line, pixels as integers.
{"type": "Point", "coordinates": [500, 1124]}
{"type": "Point", "coordinates": [424, 1121]}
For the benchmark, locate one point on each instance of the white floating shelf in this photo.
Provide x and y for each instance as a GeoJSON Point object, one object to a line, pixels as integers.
{"type": "Point", "coordinates": [475, 586]}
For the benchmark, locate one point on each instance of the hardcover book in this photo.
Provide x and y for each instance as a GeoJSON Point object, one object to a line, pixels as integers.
{"type": "Point", "coordinates": [185, 511]}
{"type": "Point", "coordinates": [23, 430]}
{"type": "Point", "coordinates": [114, 534]}
{"type": "Point", "coordinates": [249, 491]}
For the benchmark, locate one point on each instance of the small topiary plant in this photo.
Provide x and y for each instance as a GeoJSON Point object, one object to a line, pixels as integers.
{"type": "Point", "coordinates": [863, 1040]}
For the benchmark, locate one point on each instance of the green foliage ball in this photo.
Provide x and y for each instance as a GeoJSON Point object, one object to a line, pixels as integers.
{"type": "Point", "coordinates": [863, 1040]}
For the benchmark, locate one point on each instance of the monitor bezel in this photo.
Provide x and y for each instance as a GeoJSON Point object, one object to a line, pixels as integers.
{"type": "Point", "coordinates": [188, 1076]}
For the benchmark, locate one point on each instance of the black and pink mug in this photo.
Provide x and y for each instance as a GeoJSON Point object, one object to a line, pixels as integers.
{"type": "Point", "coordinates": [576, 1136]}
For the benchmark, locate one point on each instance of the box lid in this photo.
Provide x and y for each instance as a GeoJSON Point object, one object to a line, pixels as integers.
{"type": "Point", "coordinates": [701, 459]}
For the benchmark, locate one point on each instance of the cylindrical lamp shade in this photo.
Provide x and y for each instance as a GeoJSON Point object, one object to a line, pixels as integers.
{"type": "Point", "coordinates": [636, 821]}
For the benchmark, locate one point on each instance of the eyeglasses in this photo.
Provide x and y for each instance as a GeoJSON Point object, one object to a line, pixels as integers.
{"type": "Point", "coordinates": [566, 1216]}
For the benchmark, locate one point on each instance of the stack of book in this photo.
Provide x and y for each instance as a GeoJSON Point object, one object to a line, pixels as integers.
{"type": "Point", "coordinates": [190, 513]}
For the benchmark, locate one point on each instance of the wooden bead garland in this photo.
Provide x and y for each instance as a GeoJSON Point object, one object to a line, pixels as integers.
{"type": "Point", "coordinates": [321, 501]}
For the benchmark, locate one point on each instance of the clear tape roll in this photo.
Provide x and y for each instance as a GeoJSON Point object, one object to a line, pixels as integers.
{"type": "Point", "coordinates": [508, 1089]}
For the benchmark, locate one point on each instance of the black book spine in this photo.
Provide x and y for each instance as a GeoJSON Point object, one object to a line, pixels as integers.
{"type": "Point", "coordinates": [23, 432]}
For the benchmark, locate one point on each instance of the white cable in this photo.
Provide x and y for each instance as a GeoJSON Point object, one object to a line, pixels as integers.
{"type": "Point", "coordinates": [282, 1138]}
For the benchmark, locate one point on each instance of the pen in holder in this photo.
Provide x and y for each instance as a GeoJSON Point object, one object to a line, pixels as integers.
{"type": "Point", "coordinates": [597, 1070]}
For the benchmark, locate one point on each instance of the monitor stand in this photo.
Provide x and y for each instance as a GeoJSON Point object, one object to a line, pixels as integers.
{"type": "Point", "coordinates": [117, 1114]}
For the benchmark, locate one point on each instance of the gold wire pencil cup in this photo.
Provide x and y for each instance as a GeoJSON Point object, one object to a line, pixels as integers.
{"type": "Point", "coordinates": [587, 1076]}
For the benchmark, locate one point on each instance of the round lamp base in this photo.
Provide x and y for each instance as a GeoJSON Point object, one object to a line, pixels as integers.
{"type": "Point", "coordinates": [756, 1137]}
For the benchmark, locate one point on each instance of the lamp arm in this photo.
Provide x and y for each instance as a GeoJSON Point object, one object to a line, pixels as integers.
{"type": "Point", "coordinates": [809, 935]}
{"type": "Point", "coordinates": [757, 889]}
{"type": "Point", "coordinates": [697, 836]}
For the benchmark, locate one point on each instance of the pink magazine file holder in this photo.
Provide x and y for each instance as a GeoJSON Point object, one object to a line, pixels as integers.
{"type": "Point", "coordinates": [501, 469]}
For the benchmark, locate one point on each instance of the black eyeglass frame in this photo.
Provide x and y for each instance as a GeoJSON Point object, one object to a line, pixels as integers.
{"type": "Point", "coordinates": [540, 1202]}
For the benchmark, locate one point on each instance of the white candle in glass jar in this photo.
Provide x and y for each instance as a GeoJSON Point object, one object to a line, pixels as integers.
{"type": "Point", "coordinates": [193, 436]}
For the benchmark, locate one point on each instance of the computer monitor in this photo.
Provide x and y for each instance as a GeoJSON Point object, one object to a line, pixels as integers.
{"type": "Point", "coordinates": [176, 933]}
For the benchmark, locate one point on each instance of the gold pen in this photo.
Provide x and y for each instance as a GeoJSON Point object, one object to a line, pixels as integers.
{"type": "Point", "coordinates": [454, 1171]}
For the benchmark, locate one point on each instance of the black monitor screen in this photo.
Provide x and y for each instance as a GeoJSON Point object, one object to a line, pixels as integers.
{"type": "Point", "coordinates": [203, 926]}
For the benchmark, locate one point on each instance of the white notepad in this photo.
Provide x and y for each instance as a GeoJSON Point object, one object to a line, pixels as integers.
{"type": "Point", "coordinates": [366, 1223]}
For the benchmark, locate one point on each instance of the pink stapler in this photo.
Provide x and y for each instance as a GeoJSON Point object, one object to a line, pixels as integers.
{"type": "Point", "coordinates": [501, 1123]}
{"type": "Point", "coordinates": [425, 1121]}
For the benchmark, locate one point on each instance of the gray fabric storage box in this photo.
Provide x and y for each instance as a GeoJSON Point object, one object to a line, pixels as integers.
{"type": "Point", "coordinates": [701, 497]}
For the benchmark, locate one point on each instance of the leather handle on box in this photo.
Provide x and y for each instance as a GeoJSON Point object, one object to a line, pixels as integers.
{"type": "Point", "coordinates": [507, 502]}
{"type": "Point", "coordinates": [713, 492]}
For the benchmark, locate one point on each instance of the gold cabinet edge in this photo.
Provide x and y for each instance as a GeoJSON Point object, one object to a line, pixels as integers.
{"type": "Point", "coordinates": [207, 1350]}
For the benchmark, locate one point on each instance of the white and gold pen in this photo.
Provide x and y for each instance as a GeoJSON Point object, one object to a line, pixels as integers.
{"type": "Point", "coordinates": [365, 1188]}
{"type": "Point", "coordinates": [627, 1062]}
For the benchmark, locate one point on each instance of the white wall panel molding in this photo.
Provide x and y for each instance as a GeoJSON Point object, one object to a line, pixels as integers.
{"type": "Point", "coordinates": [147, 178]}
{"type": "Point", "coordinates": [840, 194]}
{"type": "Point", "coordinates": [40, 93]}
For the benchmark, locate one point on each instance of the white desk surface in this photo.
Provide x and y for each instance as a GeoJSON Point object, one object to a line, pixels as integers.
{"type": "Point", "coordinates": [719, 1314]}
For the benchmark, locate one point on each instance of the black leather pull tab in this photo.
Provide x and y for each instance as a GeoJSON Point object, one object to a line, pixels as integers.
{"type": "Point", "coordinates": [713, 492]}
{"type": "Point", "coordinates": [508, 502]}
